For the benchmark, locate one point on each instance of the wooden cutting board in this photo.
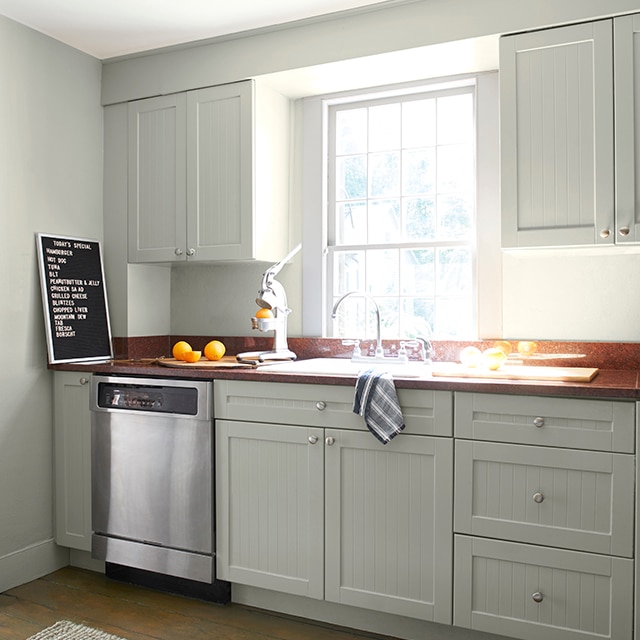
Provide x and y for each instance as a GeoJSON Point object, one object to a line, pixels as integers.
{"type": "Point", "coordinates": [226, 362]}
{"type": "Point", "coordinates": [515, 372]}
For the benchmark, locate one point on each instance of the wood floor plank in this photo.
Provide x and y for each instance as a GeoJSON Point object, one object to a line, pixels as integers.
{"type": "Point", "coordinates": [138, 613]}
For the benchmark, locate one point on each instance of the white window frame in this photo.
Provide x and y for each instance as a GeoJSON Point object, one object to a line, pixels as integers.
{"type": "Point", "coordinates": [315, 307]}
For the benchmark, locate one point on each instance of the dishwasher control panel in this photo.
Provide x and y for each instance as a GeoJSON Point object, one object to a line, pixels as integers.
{"type": "Point", "coordinates": [149, 398]}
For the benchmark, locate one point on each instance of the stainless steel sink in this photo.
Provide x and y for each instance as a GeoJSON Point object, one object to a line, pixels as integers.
{"type": "Point", "coordinates": [346, 367]}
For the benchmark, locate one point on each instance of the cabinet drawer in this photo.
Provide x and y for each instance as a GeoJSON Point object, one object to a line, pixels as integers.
{"type": "Point", "coordinates": [425, 412]}
{"type": "Point", "coordinates": [555, 497]}
{"type": "Point", "coordinates": [531, 592]}
{"type": "Point", "coordinates": [601, 425]}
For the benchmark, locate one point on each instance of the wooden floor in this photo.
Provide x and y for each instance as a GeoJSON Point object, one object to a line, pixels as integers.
{"type": "Point", "coordinates": [137, 613]}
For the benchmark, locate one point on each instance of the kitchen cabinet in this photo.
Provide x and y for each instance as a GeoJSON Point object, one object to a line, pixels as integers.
{"type": "Point", "coordinates": [569, 154]}
{"type": "Point", "coordinates": [544, 516]}
{"type": "Point", "coordinates": [318, 507]}
{"type": "Point", "coordinates": [208, 175]}
{"type": "Point", "coordinates": [72, 459]}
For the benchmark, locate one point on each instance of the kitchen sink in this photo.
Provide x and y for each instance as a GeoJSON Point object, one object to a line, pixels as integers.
{"type": "Point", "coordinates": [346, 367]}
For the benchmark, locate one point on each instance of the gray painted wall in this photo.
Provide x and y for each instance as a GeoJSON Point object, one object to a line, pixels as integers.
{"type": "Point", "coordinates": [50, 181]}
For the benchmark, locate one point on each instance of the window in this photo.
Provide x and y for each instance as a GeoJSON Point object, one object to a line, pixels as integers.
{"type": "Point", "coordinates": [404, 218]}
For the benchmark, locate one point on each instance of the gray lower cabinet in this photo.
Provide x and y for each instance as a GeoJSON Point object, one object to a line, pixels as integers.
{"type": "Point", "coordinates": [72, 459]}
{"type": "Point", "coordinates": [544, 534]}
{"type": "Point", "coordinates": [328, 512]}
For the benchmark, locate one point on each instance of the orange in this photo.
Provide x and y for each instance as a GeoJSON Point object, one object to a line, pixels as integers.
{"type": "Point", "coordinates": [527, 348]}
{"type": "Point", "coordinates": [264, 313]}
{"type": "Point", "coordinates": [493, 358]}
{"type": "Point", "coordinates": [214, 350]}
{"type": "Point", "coordinates": [192, 356]}
{"type": "Point", "coordinates": [503, 345]}
{"type": "Point", "coordinates": [179, 350]}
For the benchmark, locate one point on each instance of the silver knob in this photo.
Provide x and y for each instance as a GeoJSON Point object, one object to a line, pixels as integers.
{"type": "Point", "coordinates": [538, 497]}
{"type": "Point", "coordinates": [624, 231]}
{"type": "Point", "coordinates": [605, 233]}
{"type": "Point", "coordinates": [321, 406]}
{"type": "Point", "coordinates": [537, 597]}
{"type": "Point", "coordinates": [178, 251]}
{"type": "Point", "coordinates": [84, 380]}
{"type": "Point", "coordinates": [312, 439]}
{"type": "Point", "coordinates": [330, 441]}
{"type": "Point", "coordinates": [538, 422]}
{"type": "Point", "coordinates": [191, 251]}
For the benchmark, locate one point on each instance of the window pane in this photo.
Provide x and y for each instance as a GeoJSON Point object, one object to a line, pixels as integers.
{"type": "Point", "coordinates": [454, 318]}
{"type": "Point", "coordinates": [351, 222]}
{"type": "Point", "coordinates": [418, 272]}
{"type": "Point", "coordinates": [453, 271]}
{"type": "Point", "coordinates": [455, 167]}
{"type": "Point", "coordinates": [348, 272]}
{"type": "Point", "coordinates": [351, 177]}
{"type": "Point", "coordinates": [419, 123]}
{"type": "Point", "coordinates": [418, 171]}
{"type": "Point", "coordinates": [455, 118]}
{"type": "Point", "coordinates": [417, 317]}
{"type": "Point", "coordinates": [384, 221]}
{"type": "Point", "coordinates": [351, 131]}
{"type": "Point", "coordinates": [419, 218]}
{"type": "Point", "coordinates": [383, 272]}
{"type": "Point", "coordinates": [455, 217]}
{"type": "Point", "coordinates": [384, 169]}
{"type": "Point", "coordinates": [384, 127]}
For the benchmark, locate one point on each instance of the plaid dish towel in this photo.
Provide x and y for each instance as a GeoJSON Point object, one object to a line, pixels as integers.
{"type": "Point", "coordinates": [376, 401]}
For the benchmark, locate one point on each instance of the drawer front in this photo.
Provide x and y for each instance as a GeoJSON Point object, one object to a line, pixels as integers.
{"type": "Point", "coordinates": [531, 592]}
{"type": "Point", "coordinates": [601, 425]}
{"type": "Point", "coordinates": [555, 497]}
{"type": "Point", "coordinates": [425, 412]}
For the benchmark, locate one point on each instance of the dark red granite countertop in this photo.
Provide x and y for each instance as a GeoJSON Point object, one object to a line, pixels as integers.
{"type": "Point", "coordinates": [618, 363]}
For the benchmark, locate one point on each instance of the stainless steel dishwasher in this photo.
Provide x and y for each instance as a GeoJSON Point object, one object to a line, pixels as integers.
{"type": "Point", "coordinates": [152, 480]}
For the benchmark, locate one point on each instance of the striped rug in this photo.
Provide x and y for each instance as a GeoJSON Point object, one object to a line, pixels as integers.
{"type": "Point", "coordinates": [65, 630]}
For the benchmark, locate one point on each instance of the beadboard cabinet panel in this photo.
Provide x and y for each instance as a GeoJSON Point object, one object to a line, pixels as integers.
{"type": "Point", "coordinates": [557, 136]}
{"type": "Point", "coordinates": [388, 515]}
{"type": "Point", "coordinates": [581, 500]}
{"type": "Point", "coordinates": [533, 592]}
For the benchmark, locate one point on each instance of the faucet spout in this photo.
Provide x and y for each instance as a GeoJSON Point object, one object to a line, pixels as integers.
{"type": "Point", "coordinates": [379, 349]}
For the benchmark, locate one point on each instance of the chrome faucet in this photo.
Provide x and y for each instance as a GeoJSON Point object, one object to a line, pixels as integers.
{"type": "Point", "coordinates": [379, 350]}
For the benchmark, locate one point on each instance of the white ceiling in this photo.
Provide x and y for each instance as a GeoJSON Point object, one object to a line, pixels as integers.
{"type": "Point", "coordinates": [111, 28]}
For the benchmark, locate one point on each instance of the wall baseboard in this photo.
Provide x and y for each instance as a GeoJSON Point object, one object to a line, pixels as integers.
{"type": "Point", "coordinates": [31, 563]}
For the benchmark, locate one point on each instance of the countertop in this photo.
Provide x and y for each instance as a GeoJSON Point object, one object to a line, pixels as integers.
{"type": "Point", "coordinates": [608, 383]}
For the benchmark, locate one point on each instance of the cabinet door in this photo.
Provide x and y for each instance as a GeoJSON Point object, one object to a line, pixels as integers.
{"type": "Point", "coordinates": [220, 172]}
{"type": "Point", "coordinates": [627, 109]}
{"type": "Point", "coordinates": [556, 109]}
{"type": "Point", "coordinates": [531, 592]}
{"type": "Point", "coordinates": [72, 460]}
{"type": "Point", "coordinates": [157, 175]}
{"type": "Point", "coordinates": [388, 524]}
{"type": "Point", "coordinates": [269, 506]}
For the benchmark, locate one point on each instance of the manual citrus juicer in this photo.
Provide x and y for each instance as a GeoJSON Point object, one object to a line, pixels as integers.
{"type": "Point", "coordinates": [271, 295]}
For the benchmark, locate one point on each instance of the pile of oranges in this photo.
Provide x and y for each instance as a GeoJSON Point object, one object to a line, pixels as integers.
{"type": "Point", "coordinates": [213, 350]}
{"type": "Point", "coordinates": [494, 357]}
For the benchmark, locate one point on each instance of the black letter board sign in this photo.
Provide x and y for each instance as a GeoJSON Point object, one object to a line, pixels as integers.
{"type": "Point", "coordinates": [74, 299]}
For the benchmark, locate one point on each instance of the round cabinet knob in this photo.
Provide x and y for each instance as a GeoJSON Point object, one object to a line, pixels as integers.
{"type": "Point", "coordinates": [330, 441]}
{"type": "Point", "coordinates": [537, 597]}
{"type": "Point", "coordinates": [321, 406]}
{"type": "Point", "coordinates": [624, 231]}
{"type": "Point", "coordinates": [191, 251]}
{"type": "Point", "coordinates": [538, 497]}
{"type": "Point", "coordinates": [84, 380]}
{"type": "Point", "coordinates": [605, 233]}
{"type": "Point", "coordinates": [178, 251]}
{"type": "Point", "coordinates": [538, 422]}
{"type": "Point", "coordinates": [312, 439]}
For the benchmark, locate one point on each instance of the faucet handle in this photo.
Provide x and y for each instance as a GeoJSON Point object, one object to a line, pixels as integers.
{"type": "Point", "coordinates": [356, 346]}
{"type": "Point", "coordinates": [425, 346]}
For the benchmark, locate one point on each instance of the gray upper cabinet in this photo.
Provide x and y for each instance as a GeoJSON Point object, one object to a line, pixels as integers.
{"type": "Point", "coordinates": [569, 115]}
{"type": "Point", "coordinates": [208, 175]}
{"type": "Point", "coordinates": [557, 131]}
